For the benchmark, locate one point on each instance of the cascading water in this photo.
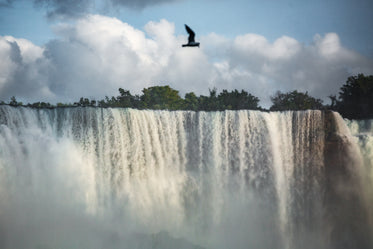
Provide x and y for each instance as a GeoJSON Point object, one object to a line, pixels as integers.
{"type": "Point", "coordinates": [122, 178]}
{"type": "Point", "coordinates": [363, 131]}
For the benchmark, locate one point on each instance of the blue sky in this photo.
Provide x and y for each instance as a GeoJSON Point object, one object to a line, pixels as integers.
{"type": "Point", "coordinates": [345, 23]}
{"type": "Point", "coordinates": [352, 20]}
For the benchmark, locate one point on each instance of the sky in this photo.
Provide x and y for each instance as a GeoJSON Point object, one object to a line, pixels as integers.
{"type": "Point", "coordinates": [61, 50]}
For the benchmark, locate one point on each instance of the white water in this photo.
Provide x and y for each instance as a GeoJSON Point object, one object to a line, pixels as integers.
{"type": "Point", "coordinates": [120, 178]}
{"type": "Point", "coordinates": [363, 131]}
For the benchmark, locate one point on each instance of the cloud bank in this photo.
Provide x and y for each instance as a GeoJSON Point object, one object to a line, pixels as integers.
{"type": "Point", "coordinates": [96, 55]}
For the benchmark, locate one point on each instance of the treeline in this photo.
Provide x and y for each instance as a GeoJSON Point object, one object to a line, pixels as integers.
{"type": "Point", "coordinates": [164, 98]}
{"type": "Point", "coordinates": [354, 101]}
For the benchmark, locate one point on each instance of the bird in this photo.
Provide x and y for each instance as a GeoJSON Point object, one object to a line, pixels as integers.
{"type": "Point", "coordinates": [191, 42]}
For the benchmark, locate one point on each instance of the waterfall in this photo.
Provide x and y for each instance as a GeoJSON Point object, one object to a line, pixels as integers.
{"type": "Point", "coordinates": [124, 178]}
{"type": "Point", "coordinates": [363, 131]}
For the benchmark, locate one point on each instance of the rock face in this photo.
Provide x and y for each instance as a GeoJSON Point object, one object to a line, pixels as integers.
{"type": "Point", "coordinates": [347, 209]}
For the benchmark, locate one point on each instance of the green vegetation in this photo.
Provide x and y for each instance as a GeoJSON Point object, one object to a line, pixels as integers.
{"type": "Point", "coordinates": [161, 98]}
{"type": "Point", "coordinates": [355, 100]}
{"type": "Point", "coordinates": [295, 101]}
{"type": "Point", "coordinates": [233, 100]}
{"type": "Point", "coordinates": [13, 102]}
{"type": "Point", "coordinates": [166, 98]}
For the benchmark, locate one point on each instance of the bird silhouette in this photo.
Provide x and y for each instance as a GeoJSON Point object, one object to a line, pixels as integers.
{"type": "Point", "coordinates": [191, 42]}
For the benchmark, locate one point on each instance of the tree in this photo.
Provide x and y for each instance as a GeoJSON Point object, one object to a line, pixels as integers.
{"type": "Point", "coordinates": [83, 102]}
{"type": "Point", "coordinates": [355, 99]}
{"type": "Point", "coordinates": [209, 103]}
{"type": "Point", "coordinates": [40, 105]}
{"type": "Point", "coordinates": [59, 104]}
{"type": "Point", "coordinates": [14, 102]}
{"type": "Point", "coordinates": [125, 99]}
{"type": "Point", "coordinates": [161, 97]}
{"type": "Point", "coordinates": [102, 103]}
{"type": "Point", "coordinates": [294, 101]}
{"type": "Point", "coordinates": [236, 100]}
{"type": "Point", "coordinates": [109, 102]}
{"type": "Point", "coordinates": [190, 102]}
{"type": "Point", "coordinates": [333, 100]}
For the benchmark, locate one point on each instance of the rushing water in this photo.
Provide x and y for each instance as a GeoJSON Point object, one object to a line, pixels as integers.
{"type": "Point", "coordinates": [122, 178]}
{"type": "Point", "coordinates": [363, 131]}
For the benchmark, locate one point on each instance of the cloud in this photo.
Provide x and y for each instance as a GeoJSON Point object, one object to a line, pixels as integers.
{"type": "Point", "coordinates": [63, 8]}
{"type": "Point", "coordinates": [78, 8]}
{"type": "Point", "coordinates": [23, 69]}
{"type": "Point", "coordinates": [58, 8]}
{"type": "Point", "coordinates": [6, 3]}
{"type": "Point", "coordinates": [319, 68]}
{"type": "Point", "coordinates": [140, 4]}
{"type": "Point", "coordinates": [96, 55]}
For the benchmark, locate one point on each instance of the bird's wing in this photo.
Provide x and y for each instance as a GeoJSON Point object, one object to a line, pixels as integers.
{"type": "Point", "coordinates": [189, 30]}
{"type": "Point", "coordinates": [191, 33]}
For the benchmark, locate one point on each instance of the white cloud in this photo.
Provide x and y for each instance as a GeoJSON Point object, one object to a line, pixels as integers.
{"type": "Point", "coordinates": [96, 55]}
{"type": "Point", "coordinates": [23, 69]}
{"type": "Point", "coordinates": [329, 45]}
{"type": "Point", "coordinates": [256, 45]}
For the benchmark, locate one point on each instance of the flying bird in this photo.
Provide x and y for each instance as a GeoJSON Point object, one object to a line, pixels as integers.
{"type": "Point", "coordinates": [191, 42]}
